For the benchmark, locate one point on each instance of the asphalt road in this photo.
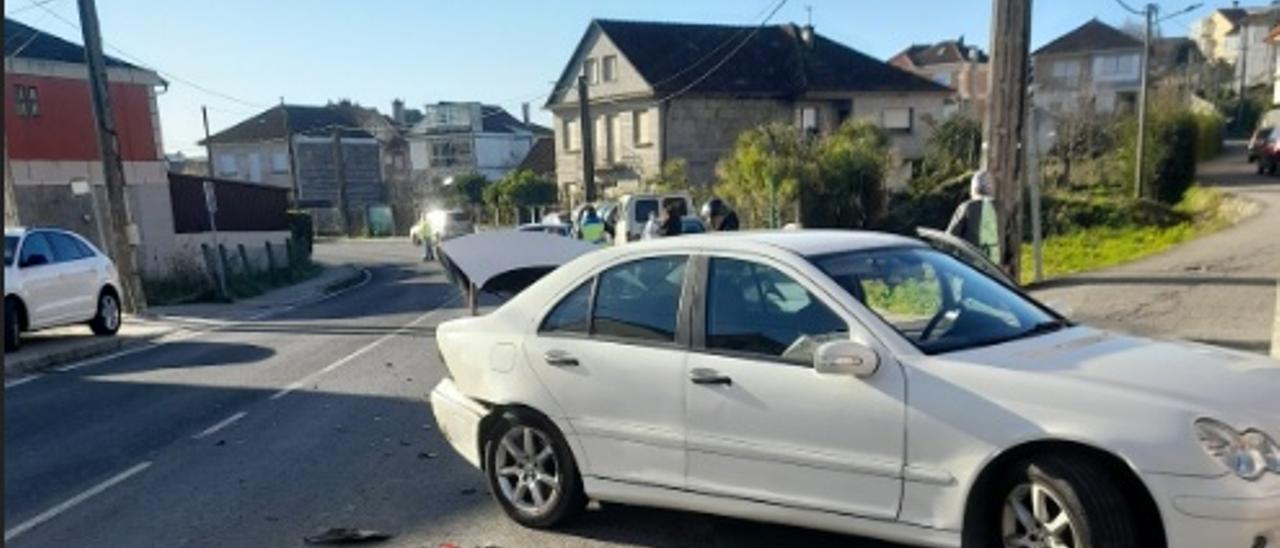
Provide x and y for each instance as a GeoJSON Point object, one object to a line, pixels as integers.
{"type": "Point", "coordinates": [1220, 289]}
{"type": "Point", "coordinates": [263, 433]}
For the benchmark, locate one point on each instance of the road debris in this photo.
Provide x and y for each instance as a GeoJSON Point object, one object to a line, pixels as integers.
{"type": "Point", "coordinates": [427, 455]}
{"type": "Point", "coordinates": [347, 535]}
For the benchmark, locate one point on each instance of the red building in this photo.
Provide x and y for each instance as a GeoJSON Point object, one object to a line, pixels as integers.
{"type": "Point", "coordinates": [51, 140]}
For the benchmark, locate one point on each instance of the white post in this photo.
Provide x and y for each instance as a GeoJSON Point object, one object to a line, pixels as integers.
{"type": "Point", "coordinates": [1032, 172]}
{"type": "Point", "coordinates": [1275, 330]}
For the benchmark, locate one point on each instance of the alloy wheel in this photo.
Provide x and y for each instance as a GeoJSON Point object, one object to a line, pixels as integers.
{"type": "Point", "coordinates": [109, 308]}
{"type": "Point", "coordinates": [1034, 517]}
{"type": "Point", "coordinates": [528, 470]}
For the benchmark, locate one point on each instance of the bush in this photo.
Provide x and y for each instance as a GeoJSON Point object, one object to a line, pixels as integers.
{"type": "Point", "coordinates": [849, 189]}
{"type": "Point", "coordinates": [1210, 128]}
{"type": "Point", "coordinates": [1169, 163]}
{"type": "Point", "coordinates": [931, 208]}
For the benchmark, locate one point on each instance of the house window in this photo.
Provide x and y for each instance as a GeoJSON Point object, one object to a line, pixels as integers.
{"type": "Point", "coordinates": [28, 100]}
{"type": "Point", "coordinates": [612, 132]}
{"type": "Point", "coordinates": [227, 166]}
{"type": "Point", "coordinates": [641, 128]}
{"type": "Point", "coordinates": [280, 162]}
{"type": "Point", "coordinates": [1067, 72]}
{"type": "Point", "coordinates": [609, 67]}
{"type": "Point", "coordinates": [451, 152]}
{"type": "Point", "coordinates": [896, 119]}
{"type": "Point", "coordinates": [590, 70]}
{"type": "Point", "coordinates": [255, 167]}
{"type": "Point", "coordinates": [1116, 67]}
{"type": "Point", "coordinates": [572, 136]}
{"type": "Point", "coordinates": [943, 78]}
{"type": "Point", "coordinates": [809, 119]}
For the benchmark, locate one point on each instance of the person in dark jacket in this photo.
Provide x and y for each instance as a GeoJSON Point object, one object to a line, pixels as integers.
{"type": "Point", "coordinates": [975, 220]}
{"type": "Point", "coordinates": [719, 216]}
{"type": "Point", "coordinates": [671, 220]}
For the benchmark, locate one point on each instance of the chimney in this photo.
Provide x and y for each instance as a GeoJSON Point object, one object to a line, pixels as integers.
{"type": "Point", "coordinates": [524, 111]}
{"type": "Point", "coordinates": [806, 36]}
{"type": "Point", "coordinates": [397, 111]}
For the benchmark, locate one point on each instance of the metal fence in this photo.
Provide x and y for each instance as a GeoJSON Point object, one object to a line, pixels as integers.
{"type": "Point", "coordinates": [242, 207]}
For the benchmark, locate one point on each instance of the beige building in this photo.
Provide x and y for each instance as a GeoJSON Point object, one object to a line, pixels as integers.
{"type": "Point", "coordinates": [954, 64]}
{"type": "Point", "coordinates": [1095, 67]}
{"type": "Point", "coordinates": [665, 91]}
{"type": "Point", "coordinates": [1211, 33]}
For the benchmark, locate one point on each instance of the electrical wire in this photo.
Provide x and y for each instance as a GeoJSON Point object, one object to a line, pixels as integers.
{"type": "Point", "coordinates": [726, 58]}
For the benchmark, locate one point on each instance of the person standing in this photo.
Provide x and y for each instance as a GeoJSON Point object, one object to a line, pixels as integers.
{"type": "Point", "coordinates": [975, 219]}
{"type": "Point", "coordinates": [719, 216]}
{"type": "Point", "coordinates": [652, 229]}
{"type": "Point", "coordinates": [591, 228]}
{"type": "Point", "coordinates": [672, 219]}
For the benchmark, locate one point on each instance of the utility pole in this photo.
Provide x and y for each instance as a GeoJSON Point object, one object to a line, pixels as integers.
{"type": "Point", "coordinates": [1244, 75]}
{"type": "Point", "coordinates": [122, 228]}
{"type": "Point", "coordinates": [211, 207]}
{"type": "Point", "coordinates": [1149, 14]}
{"type": "Point", "coordinates": [588, 143]}
{"type": "Point", "coordinates": [1033, 175]}
{"type": "Point", "coordinates": [11, 217]}
{"type": "Point", "coordinates": [288, 141]}
{"type": "Point", "coordinates": [340, 168]}
{"type": "Point", "coordinates": [1005, 117]}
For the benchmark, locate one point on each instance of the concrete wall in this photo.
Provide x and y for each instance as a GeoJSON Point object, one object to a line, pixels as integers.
{"type": "Point", "coordinates": [317, 178]}
{"type": "Point", "coordinates": [188, 253]}
{"type": "Point", "coordinates": [627, 82]}
{"type": "Point", "coordinates": [702, 130]}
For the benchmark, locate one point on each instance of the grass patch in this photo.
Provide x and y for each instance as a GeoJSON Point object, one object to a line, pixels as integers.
{"type": "Point", "coordinates": [1201, 211]}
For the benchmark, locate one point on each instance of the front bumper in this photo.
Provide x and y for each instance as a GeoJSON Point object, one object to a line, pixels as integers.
{"type": "Point", "coordinates": [1225, 511]}
{"type": "Point", "coordinates": [459, 419]}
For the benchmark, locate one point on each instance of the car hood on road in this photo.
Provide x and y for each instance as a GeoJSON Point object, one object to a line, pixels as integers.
{"type": "Point", "coordinates": [1228, 384]}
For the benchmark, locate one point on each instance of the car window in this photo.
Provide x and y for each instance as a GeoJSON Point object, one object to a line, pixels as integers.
{"type": "Point", "coordinates": [640, 300]}
{"type": "Point", "coordinates": [35, 244]}
{"type": "Point", "coordinates": [10, 247]}
{"type": "Point", "coordinates": [85, 250]}
{"type": "Point", "coordinates": [644, 208]}
{"type": "Point", "coordinates": [756, 309]}
{"type": "Point", "coordinates": [570, 314]}
{"type": "Point", "coordinates": [64, 247]}
{"type": "Point", "coordinates": [936, 301]}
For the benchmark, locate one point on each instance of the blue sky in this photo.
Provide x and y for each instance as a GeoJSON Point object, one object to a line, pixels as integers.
{"type": "Point", "coordinates": [498, 51]}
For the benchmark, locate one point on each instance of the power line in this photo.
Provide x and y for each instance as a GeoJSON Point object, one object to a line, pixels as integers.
{"type": "Point", "coordinates": [33, 5]}
{"type": "Point", "coordinates": [134, 58]}
{"type": "Point", "coordinates": [1130, 9]}
{"type": "Point", "coordinates": [726, 59]}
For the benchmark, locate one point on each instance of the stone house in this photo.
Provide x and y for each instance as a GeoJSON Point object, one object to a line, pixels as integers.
{"type": "Point", "coordinates": [293, 146]}
{"type": "Point", "coordinates": [1095, 67]}
{"type": "Point", "coordinates": [951, 63]}
{"type": "Point", "coordinates": [662, 91]}
{"type": "Point", "coordinates": [457, 138]}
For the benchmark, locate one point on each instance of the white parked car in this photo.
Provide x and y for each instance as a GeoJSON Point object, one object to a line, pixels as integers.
{"type": "Point", "coordinates": [54, 277]}
{"type": "Point", "coordinates": [855, 382]}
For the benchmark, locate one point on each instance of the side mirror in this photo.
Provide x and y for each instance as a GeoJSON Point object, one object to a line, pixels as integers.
{"type": "Point", "coordinates": [1063, 309]}
{"type": "Point", "coordinates": [34, 259]}
{"type": "Point", "coordinates": [846, 358]}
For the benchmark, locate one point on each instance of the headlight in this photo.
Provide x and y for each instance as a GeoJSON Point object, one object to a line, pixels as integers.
{"type": "Point", "coordinates": [1249, 454]}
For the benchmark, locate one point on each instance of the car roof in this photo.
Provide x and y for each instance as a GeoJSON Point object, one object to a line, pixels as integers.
{"type": "Point", "coordinates": [801, 242]}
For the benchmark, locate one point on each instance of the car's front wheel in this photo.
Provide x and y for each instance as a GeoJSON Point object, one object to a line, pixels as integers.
{"type": "Point", "coordinates": [107, 320]}
{"type": "Point", "coordinates": [531, 471]}
{"type": "Point", "coordinates": [1063, 502]}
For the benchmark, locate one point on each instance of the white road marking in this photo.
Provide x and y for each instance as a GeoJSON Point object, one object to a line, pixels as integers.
{"type": "Point", "coordinates": [183, 334]}
{"type": "Point", "coordinates": [220, 425]}
{"type": "Point", "coordinates": [347, 359]}
{"type": "Point", "coordinates": [70, 503]}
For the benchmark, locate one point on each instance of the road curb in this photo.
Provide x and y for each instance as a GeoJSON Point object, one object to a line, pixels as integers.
{"type": "Point", "coordinates": [19, 365]}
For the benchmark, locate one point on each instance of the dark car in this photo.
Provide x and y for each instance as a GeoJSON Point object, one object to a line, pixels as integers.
{"type": "Point", "coordinates": [1268, 151]}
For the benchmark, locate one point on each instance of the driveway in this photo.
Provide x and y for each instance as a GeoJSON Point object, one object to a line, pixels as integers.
{"type": "Point", "coordinates": [1219, 289]}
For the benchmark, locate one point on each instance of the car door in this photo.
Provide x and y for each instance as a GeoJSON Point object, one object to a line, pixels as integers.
{"type": "Point", "coordinates": [612, 353]}
{"type": "Point", "coordinates": [78, 277]}
{"type": "Point", "coordinates": [761, 423]}
{"type": "Point", "coordinates": [41, 281]}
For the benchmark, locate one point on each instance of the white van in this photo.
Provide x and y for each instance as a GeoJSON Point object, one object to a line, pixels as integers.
{"type": "Point", "coordinates": [633, 210]}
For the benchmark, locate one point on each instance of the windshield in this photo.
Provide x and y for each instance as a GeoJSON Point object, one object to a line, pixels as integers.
{"type": "Point", "coordinates": [937, 302]}
{"type": "Point", "coordinates": [10, 248]}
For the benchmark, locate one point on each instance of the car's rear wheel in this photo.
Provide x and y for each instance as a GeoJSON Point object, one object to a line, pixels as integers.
{"type": "Point", "coordinates": [1063, 502]}
{"type": "Point", "coordinates": [12, 326]}
{"type": "Point", "coordinates": [531, 471]}
{"type": "Point", "coordinates": [107, 320]}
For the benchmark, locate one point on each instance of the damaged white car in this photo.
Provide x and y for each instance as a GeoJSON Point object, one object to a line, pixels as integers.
{"type": "Point", "coordinates": [855, 382]}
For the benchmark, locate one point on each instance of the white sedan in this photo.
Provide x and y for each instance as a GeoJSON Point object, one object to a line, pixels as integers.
{"type": "Point", "coordinates": [855, 382]}
{"type": "Point", "coordinates": [54, 277]}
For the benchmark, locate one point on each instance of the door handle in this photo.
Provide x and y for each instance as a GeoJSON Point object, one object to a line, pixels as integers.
{"type": "Point", "coordinates": [703, 375]}
{"type": "Point", "coordinates": [560, 358]}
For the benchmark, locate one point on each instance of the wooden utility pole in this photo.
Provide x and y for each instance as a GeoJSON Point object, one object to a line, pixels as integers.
{"type": "Point", "coordinates": [340, 169]}
{"type": "Point", "coordinates": [1005, 120]}
{"type": "Point", "coordinates": [1149, 15]}
{"type": "Point", "coordinates": [11, 217]}
{"type": "Point", "coordinates": [122, 227]}
{"type": "Point", "coordinates": [588, 143]}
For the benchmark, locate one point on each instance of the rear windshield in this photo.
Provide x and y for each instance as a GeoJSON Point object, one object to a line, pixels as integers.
{"type": "Point", "coordinates": [10, 248]}
{"type": "Point", "coordinates": [644, 208]}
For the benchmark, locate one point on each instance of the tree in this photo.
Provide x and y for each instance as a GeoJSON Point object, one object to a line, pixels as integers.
{"type": "Point", "coordinates": [469, 188]}
{"type": "Point", "coordinates": [673, 177]}
{"type": "Point", "coordinates": [519, 189]}
{"type": "Point", "coordinates": [849, 190]}
{"type": "Point", "coordinates": [954, 147]}
{"type": "Point", "coordinates": [764, 171]}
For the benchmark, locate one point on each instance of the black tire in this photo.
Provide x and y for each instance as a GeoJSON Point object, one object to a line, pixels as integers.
{"type": "Point", "coordinates": [107, 320]}
{"type": "Point", "coordinates": [1261, 168]}
{"type": "Point", "coordinates": [571, 499]}
{"type": "Point", "coordinates": [1271, 168]}
{"type": "Point", "coordinates": [12, 326]}
{"type": "Point", "coordinates": [1087, 491]}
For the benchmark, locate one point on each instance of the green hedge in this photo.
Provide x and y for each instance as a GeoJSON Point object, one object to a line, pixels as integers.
{"type": "Point", "coordinates": [1210, 131]}
{"type": "Point", "coordinates": [930, 207]}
